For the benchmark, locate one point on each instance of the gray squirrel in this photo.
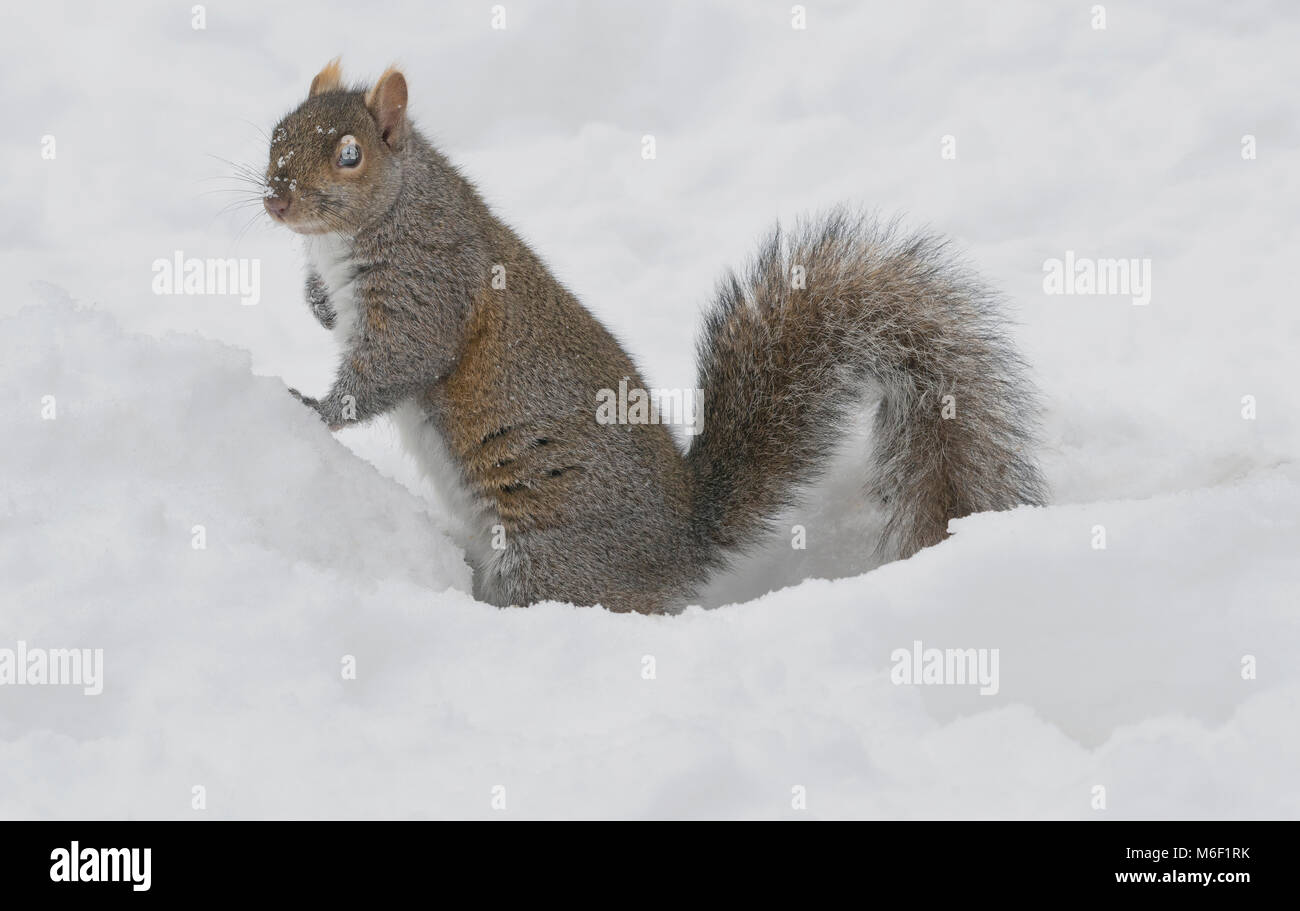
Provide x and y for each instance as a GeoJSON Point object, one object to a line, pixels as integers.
{"type": "Point", "coordinates": [494, 384]}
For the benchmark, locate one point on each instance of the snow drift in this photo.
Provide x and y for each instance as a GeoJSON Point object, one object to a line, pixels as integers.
{"type": "Point", "coordinates": [225, 664]}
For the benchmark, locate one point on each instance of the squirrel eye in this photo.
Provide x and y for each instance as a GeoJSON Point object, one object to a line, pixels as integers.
{"type": "Point", "coordinates": [350, 154]}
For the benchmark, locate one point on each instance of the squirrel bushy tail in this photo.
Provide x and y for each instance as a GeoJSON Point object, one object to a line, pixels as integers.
{"type": "Point", "coordinates": [826, 311]}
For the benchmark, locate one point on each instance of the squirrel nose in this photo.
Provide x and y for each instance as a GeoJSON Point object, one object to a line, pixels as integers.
{"type": "Point", "coordinates": [276, 206]}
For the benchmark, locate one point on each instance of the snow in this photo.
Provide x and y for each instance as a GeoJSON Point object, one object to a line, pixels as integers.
{"type": "Point", "coordinates": [1119, 667]}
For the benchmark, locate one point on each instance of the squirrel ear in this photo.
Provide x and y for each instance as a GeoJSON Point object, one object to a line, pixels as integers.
{"type": "Point", "coordinates": [387, 102]}
{"type": "Point", "coordinates": [328, 79]}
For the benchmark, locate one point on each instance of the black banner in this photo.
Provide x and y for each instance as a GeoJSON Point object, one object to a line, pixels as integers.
{"type": "Point", "coordinates": [336, 859]}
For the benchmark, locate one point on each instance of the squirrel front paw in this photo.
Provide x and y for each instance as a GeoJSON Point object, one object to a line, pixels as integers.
{"type": "Point", "coordinates": [318, 300]}
{"type": "Point", "coordinates": [314, 405]}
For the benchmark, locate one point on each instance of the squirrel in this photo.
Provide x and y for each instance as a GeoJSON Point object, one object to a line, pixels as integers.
{"type": "Point", "coordinates": [494, 384]}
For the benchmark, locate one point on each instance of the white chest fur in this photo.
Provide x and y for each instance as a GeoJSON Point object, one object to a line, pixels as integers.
{"type": "Point", "coordinates": [330, 256]}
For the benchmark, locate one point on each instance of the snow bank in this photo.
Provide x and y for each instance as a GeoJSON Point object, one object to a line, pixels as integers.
{"type": "Point", "coordinates": [223, 666]}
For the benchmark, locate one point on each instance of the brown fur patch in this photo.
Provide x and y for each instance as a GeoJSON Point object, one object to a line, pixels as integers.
{"type": "Point", "coordinates": [473, 394]}
{"type": "Point", "coordinates": [329, 79]}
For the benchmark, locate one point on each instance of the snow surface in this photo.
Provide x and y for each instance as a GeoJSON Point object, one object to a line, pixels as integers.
{"type": "Point", "coordinates": [1118, 667]}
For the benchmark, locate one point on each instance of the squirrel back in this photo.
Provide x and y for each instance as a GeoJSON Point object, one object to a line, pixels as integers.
{"type": "Point", "coordinates": [495, 370]}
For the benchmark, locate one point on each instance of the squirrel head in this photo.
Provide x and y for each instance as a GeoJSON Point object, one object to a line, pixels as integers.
{"type": "Point", "coordinates": [336, 160]}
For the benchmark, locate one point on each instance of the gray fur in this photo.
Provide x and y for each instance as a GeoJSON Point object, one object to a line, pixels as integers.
{"type": "Point", "coordinates": [781, 366]}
